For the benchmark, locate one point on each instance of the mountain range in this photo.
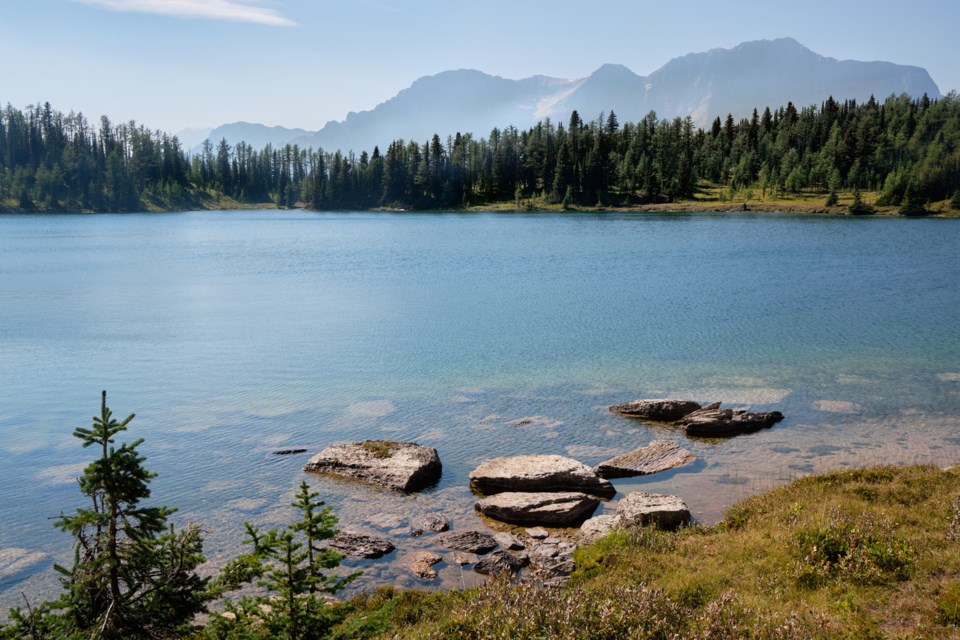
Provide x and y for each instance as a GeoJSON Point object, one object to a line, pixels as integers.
{"type": "Point", "coordinates": [701, 85]}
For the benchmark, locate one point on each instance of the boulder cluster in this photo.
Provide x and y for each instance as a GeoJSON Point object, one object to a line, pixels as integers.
{"type": "Point", "coordinates": [526, 493]}
{"type": "Point", "coordinates": [703, 422]}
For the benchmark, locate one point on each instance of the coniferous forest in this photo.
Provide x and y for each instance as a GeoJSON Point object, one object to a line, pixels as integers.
{"type": "Point", "coordinates": [906, 150]}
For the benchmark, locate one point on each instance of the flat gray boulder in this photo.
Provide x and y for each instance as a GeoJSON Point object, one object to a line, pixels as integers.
{"type": "Point", "coordinates": [508, 541]}
{"type": "Point", "coordinates": [501, 562]}
{"type": "Point", "coordinates": [637, 509]}
{"type": "Point", "coordinates": [640, 509]}
{"type": "Point", "coordinates": [404, 466]}
{"type": "Point", "coordinates": [360, 545]}
{"type": "Point", "coordinates": [551, 509]}
{"type": "Point", "coordinates": [656, 409]}
{"type": "Point", "coordinates": [714, 422]}
{"type": "Point", "coordinates": [598, 526]}
{"type": "Point", "coordinates": [538, 473]}
{"type": "Point", "coordinates": [472, 541]}
{"type": "Point", "coordinates": [659, 455]}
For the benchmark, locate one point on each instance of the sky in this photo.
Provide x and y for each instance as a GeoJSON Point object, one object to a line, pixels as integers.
{"type": "Point", "coordinates": [177, 64]}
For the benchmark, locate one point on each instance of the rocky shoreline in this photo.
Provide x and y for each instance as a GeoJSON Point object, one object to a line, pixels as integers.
{"type": "Point", "coordinates": [537, 508]}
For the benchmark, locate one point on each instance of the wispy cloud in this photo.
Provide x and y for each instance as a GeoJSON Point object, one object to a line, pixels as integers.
{"type": "Point", "coordinates": [210, 9]}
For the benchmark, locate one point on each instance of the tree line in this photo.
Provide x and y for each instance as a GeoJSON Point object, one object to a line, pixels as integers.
{"type": "Point", "coordinates": [906, 149]}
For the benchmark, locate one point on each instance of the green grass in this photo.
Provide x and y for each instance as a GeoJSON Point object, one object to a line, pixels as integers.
{"type": "Point", "coordinates": [379, 448]}
{"type": "Point", "coordinates": [873, 553]}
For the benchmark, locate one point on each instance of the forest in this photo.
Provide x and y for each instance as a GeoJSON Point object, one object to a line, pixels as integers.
{"type": "Point", "coordinates": [906, 150]}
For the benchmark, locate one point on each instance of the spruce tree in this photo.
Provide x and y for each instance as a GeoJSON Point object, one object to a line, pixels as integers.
{"type": "Point", "coordinates": [288, 565]}
{"type": "Point", "coordinates": [132, 575]}
{"type": "Point", "coordinates": [913, 203]}
{"type": "Point", "coordinates": [858, 207]}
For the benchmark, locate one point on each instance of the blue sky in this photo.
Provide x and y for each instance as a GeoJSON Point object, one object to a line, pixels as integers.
{"type": "Point", "coordinates": [172, 64]}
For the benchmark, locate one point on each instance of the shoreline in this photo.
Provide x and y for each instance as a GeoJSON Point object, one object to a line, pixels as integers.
{"type": "Point", "coordinates": [813, 204]}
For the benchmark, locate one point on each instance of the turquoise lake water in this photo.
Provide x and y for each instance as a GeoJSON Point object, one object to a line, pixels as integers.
{"type": "Point", "coordinates": [232, 334]}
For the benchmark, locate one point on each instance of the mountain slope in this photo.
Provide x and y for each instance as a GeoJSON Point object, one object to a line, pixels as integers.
{"type": "Point", "coordinates": [701, 85]}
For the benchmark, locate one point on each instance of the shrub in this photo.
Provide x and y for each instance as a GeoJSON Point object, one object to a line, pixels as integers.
{"type": "Point", "coordinates": [379, 448]}
{"type": "Point", "coordinates": [862, 550]}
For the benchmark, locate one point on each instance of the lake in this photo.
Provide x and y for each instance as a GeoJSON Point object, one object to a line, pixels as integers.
{"type": "Point", "coordinates": [233, 334]}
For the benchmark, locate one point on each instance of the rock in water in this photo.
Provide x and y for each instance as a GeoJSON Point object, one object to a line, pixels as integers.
{"type": "Point", "coordinates": [640, 508]}
{"type": "Point", "coordinates": [557, 509]}
{"type": "Point", "coordinates": [501, 562]}
{"type": "Point", "coordinates": [404, 466]}
{"type": "Point", "coordinates": [724, 423]}
{"type": "Point", "coordinates": [422, 564]}
{"type": "Point", "coordinates": [538, 473]}
{"type": "Point", "coordinates": [15, 561]}
{"type": "Point", "coordinates": [659, 455]}
{"type": "Point", "coordinates": [431, 522]}
{"type": "Point", "coordinates": [462, 557]}
{"type": "Point", "coordinates": [360, 545]}
{"type": "Point", "coordinates": [657, 409]}
{"type": "Point", "coordinates": [472, 541]}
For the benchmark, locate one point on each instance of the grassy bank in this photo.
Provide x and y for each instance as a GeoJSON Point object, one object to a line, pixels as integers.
{"type": "Point", "coordinates": [715, 198]}
{"type": "Point", "coordinates": [873, 553]}
{"type": "Point", "coordinates": [709, 198]}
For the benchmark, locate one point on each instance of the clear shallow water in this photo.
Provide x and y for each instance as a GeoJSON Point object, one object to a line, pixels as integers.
{"type": "Point", "coordinates": [232, 334]}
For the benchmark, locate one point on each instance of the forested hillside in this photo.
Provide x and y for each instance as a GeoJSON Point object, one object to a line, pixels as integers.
{"type": "Point", "coordinates": [907, 150]}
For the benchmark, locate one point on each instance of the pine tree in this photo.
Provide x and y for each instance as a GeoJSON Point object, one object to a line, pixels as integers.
{"type": "Point", "coordinates": [913, 203]}
{"type": "Point", "coordinates": [858, 206]}
{"type": "Point", "coordinates": [132, 574]}
{"type": "Point", "coordinates": [289, 567]}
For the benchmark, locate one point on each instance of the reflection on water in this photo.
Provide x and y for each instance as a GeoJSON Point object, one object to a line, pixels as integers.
{"type": "Point", "coordinates": [234, 335]}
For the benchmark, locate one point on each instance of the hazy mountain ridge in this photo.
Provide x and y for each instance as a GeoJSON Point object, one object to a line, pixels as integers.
{"type": "Point", "coordinates": [702, 85]}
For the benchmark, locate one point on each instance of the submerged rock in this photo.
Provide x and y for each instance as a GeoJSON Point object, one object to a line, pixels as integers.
{"type": "Point", "coordinates": [713, 422]}
{"type": "Point", "coordinates": [404, 466]}
{"type": "Point", "coordinates": [462, 558]}
{"type": "Point", "coordinates": [657, 409]}
{"type": "Point", "coordinates": [435, 522]}
{"type": "Point", "coordinates": [472, 541]}
{"type": "Point", "coordinates": [552, 508]}
{"type": "Point", "coordinates": [538, 473]}
{"type": "Point", "coordinates": [15, 561]}
{"type": "Point", "coordinates": [501, 562]}
{"type": "Point", "coordinates": [421, 564]}
{"type": "Point", "coordinates": [659, 455]}
{"type": "Point", "coordinates": [360, 545]}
